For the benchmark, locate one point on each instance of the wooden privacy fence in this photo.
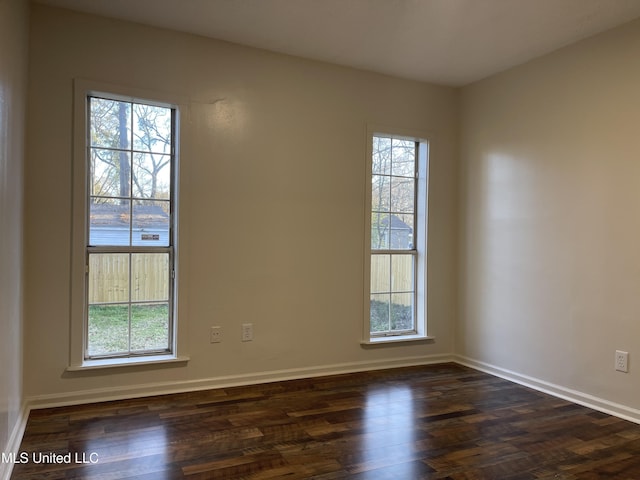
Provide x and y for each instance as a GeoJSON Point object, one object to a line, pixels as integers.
{"type": "Point", "coordinates": [110, 274]}
{"type": "Point", "coordinates": [392, 273]}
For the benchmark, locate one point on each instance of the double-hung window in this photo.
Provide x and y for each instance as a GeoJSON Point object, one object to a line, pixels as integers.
{"type": "Point", "coordinates": [130, 220]}
{"type": "Point", "coordinates": [396, 245]}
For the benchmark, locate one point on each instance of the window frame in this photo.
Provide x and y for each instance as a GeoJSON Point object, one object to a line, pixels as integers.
{"type": "Point", "coordinates": [424, 145]}
{"type": "Point", "coordinates": [80, 248]}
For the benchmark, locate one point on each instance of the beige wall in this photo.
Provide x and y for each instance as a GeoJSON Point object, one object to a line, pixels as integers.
{"type": "Point", "coordinates": [550, 236]}
{"type": "Point", "coordinates": [272, 213]}
{"type": "Point", "coordinates": [13, 77]}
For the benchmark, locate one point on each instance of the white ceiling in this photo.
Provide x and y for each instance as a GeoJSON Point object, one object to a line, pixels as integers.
{"type": "Point", "coordinates": [451, 42]}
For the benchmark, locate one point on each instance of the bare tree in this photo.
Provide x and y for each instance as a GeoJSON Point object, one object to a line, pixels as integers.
{"type": "Point", "coordinates": [130, 148]}
{"type": "Point", "coordinates": [393, 187]}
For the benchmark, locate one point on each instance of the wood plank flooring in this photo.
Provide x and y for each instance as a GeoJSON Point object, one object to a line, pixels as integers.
{"type": "Point", "coordinates": [434, 422]}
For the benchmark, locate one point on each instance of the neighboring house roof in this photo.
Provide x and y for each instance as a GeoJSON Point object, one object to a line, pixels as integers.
{"type": "Point", "coordinates": [118, 216]}
{"type": "Point", "coordinates": [396, 223]}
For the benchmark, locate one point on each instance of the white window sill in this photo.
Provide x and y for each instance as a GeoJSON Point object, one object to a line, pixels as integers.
{"type": "Point", "coordinates": [126, 362]}
{"type": "Point", "coordinates": [396, 339]}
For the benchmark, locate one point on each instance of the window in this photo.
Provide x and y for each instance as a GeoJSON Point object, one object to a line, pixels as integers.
{"type": "Point", "coordinates": [130, 232]}
{"type": "Point", "coordinates": [396, 237]}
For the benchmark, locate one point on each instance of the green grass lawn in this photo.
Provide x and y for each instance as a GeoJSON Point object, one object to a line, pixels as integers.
{"type": "Point", "coordinates": [109, 328]}
{"type": "Point", "coordinates": [401, 317]}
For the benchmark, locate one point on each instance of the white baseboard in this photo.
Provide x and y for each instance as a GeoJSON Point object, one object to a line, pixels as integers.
{"type": "Point", "coordinates": [164, 388]}
{"type": "Point", "coordinates": [581, 398]}
{"type": "Point", "coordinates": [15, 439]}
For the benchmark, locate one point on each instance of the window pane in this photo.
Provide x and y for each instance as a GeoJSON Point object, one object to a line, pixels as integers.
{"type": "Point", "coordinates": [151, 128]}
{"type": "Point", "coordinates": [381, 158]}
{"type": "Point", "coordinates": [379, 312]}
{"type": "Point", "coordinates": [108, 277]}
{"type": "Point", "coordinates": [402, 311]}
{"type": "Point", "coordinates": [402, 274]}
{"type": "Point", "coordinates": [380, 273]}
{"type": "Point", "coordinates": [109, 222]}
{"type": "Point", "coordinates": [402, 195]}
{"type": "Point", "coordinates": [150, 223]}
{"type": "Point", "coordinates": [394, 219]}
{"type": "Point", "coordinates": [149, 277]}
{"type": "Point", "coordinates": [130, 178]}
{"type": "Point", "coordinates": [151, 176]}
{"type": "Point", "coordinates": [379, 231]}
{"type": "Point", "coordinates": [108, 331]}
{"type": "Point", "coordinates": [380, 193]}
{"type": "Point", "coordinates": [110, 173]}
{"type": "Point", "coordinates": [150, 327]}
{"type": "Point", "coordinates": [403, 158]}
{"type": "Point", "coordinates": [110, 122]}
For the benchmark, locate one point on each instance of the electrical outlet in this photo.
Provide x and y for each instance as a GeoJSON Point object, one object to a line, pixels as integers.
{"type": "Point", "coordinates": [215, 334]}
{"type": "Point", "coordinates": [247, 332]}
{"type": "Point", "coordinates": [622, 361]}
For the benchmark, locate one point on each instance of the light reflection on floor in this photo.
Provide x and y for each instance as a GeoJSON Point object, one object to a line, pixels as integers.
{"type": "Point", "coordinates": [130, 450]}
{"type": "Point", "coordinates": [390, 410]}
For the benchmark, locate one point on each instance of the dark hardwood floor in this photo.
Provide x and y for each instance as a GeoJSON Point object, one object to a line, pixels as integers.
{"type": "Point", "coordinates": [441, 421]}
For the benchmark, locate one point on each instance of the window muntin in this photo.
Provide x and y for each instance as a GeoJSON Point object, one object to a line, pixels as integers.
{"type": "Point", "coordinates": [396, 287]}
{"type": "Point", "coordinates": [130, 244]}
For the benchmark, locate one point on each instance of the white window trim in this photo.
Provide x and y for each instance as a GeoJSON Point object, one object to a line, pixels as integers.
{"type": "Point", "coordinates": [424, 153]}
{"type": "Point", "coordinates": [82, 89]}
